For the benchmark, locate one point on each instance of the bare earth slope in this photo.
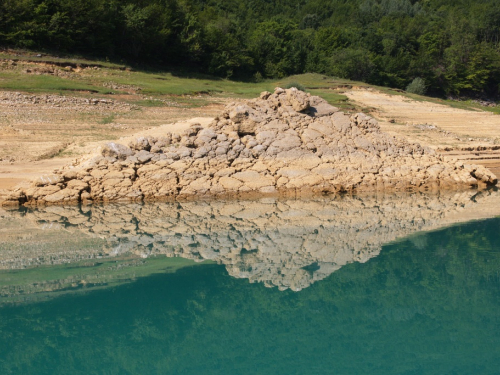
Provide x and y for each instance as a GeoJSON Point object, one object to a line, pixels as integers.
{"type": "Point", "coordinates": [470, 135]}
{"type": "Point", "coordinates": [39, 132]}
{"type": "Point", "coordinates": [287, 143]}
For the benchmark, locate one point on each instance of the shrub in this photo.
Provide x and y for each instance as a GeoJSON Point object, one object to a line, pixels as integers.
{"type": "Point", "coordinates": [417, 86]}
{"type": "Point", "coordinates": [298, 86]}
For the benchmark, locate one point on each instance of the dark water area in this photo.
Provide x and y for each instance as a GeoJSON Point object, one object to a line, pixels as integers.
{"type": "Point", "coordinates": [426, 303]}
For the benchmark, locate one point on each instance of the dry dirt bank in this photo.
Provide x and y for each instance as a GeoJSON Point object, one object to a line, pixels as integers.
{"type": "Point", "coordinates": [22, 171]}
{"type": "Point", "coordinates": [286, 143]}
{"type": "Point", "coordinates": [470, 135]}
{"type": "Point", "coordinates": [39, 133]}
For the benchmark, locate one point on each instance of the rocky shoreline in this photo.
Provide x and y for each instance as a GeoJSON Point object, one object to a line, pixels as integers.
{"type": "Point", "coordinates": [286, 143]}
{"type": "Point", "coordinates": [285, 243]}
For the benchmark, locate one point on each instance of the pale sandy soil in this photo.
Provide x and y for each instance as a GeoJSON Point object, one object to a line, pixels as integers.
{"type": "Point", "coordinates": [471, 135]}
{"type": "Point", "coordinates": [15, 173]}
{"type": "Point", "coordinates": [472, 127]}
{"type": "Point", "coordinates": [35, 138]}
{"type": "Point", "coordinates": [34, 132]}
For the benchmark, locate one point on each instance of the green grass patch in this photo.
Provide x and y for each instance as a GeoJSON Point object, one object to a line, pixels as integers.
{"type": "Point", "coordinates": [152, 103]}
{"type": "Point", "coordinates": [187, 89]}
{"type": "Point", "coordinates": [470, 105]}
{"type": "Point", "coordinates": [28, 56]}
{"type": "Point", "coordinates": [332, 97]}
{"type": "Point", "coordinates": [107, 120]}
{"type": "Point", "coordinates": [13, 81]}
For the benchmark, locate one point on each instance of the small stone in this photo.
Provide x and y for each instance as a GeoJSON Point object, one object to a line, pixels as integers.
{"type": "Point", "coordinates": [140, 144]}
{"type": "Point", "coordinates": [53, 179]}
{"type": "Point", "coordinates": [143, 156]}
{"type": "Point", "coordinates": [115, 150]}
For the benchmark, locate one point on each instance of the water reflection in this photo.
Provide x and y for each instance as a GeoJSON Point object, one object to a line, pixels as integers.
{"type": "Point", "coordinates": [426, 305]}
{"type": "Point", "coordinates": [289, 244]}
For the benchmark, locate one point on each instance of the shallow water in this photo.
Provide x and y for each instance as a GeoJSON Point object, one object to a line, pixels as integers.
{"type": "Point", "coordinates": [406, 284]}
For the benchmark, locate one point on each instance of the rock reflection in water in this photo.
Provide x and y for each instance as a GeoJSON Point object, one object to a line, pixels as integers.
{"type": "Point", "coordinates": [283, 243]}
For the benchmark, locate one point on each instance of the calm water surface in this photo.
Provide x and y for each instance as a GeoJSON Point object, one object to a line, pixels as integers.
{"type": "Point", "coordinates": [381, 285]}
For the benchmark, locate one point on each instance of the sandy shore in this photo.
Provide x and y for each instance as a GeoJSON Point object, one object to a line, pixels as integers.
{"type": "Point", "coordinates": [441, 127]}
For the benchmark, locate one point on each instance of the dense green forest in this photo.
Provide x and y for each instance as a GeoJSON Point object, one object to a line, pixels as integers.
{"type": "Point", "coordinates": [454, 45]}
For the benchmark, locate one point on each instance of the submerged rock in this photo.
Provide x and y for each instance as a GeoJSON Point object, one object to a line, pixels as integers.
{"type": "Point", "coordinates": [287, 243]}
{"type": "Point", "coordinates": [285, 143]}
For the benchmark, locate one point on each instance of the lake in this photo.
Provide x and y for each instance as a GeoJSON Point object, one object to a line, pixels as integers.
{"type": "Point", "coordinates": [382, 284]}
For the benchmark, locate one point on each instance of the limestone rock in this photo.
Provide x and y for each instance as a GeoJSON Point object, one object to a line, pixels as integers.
{"type": "Point", "coordinates": [116, 150]}
{"type": "Point", "coordinates": [143, 156]}
{"type": "Point", "coordinates": [53, 179]}
{"type": "Point", "coordinates": [318, 107]}
{"type": "Point", "coordinates": [65, 195]}
{"type": "Point", "coordinates": [298, 99]}
{"type": "Point", "coordinates": [140, 144]}
{"type": "Point", "coordinates": [282, 143]}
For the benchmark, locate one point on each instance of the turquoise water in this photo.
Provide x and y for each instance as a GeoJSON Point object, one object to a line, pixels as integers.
{"type": "Point", "coordinates": [423, 303]}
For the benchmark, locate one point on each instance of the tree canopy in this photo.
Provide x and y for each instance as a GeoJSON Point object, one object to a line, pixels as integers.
{"type": "Point", "coordinates": [452, 45]}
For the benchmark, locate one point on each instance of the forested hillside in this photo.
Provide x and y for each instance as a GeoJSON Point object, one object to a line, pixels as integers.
{"type": "Point", "coordinates": [454, 45]}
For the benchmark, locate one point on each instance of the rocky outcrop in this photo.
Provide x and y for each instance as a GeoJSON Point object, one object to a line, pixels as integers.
{"type": "Point", "coordinates": [281, 243]}
{"type": "Point", "coordinates": [285, 143]}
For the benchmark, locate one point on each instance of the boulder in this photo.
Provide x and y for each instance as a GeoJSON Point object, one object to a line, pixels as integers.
{"type": "Point", "coordinates": [139, 144]}
{"type": "Point", "coordinates": [143, 156]}
{"type": "Point", "coordinates": [116, 150]}
{"type": "Point", "coordinates": [298, 99]}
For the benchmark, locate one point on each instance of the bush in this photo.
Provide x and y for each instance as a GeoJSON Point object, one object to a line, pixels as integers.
{"type": "Point", "coordinates": [298, 86]}
{"type": "Point", "coordinates": [417, 86]}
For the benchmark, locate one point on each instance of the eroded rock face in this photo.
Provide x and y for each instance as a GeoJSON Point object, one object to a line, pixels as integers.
{"type": "Point", "coordinates": [281, 243]}
{"type": "Point", "coordinates": [285, 143]}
